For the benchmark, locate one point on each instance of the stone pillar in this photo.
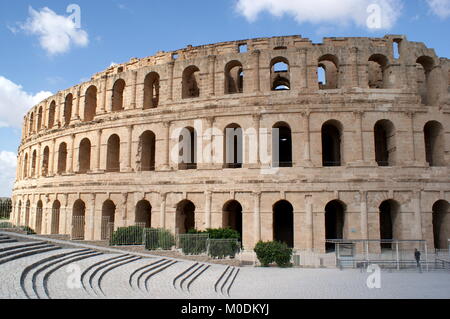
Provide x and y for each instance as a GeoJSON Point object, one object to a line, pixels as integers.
{"type": "Point", "coordinates": [38, 161]}
{"type": "Point", "coordinates": [105, 90]}
{"type": "Point", "coordinates": [124, 211]}
{"type": "Point", "coordinates": [417, 215]}
{"type": "Point", "coordinates": [99, 147]}
{"type": "Point", "coordinates": [51, 169]}
{"type": "Point", "coordinates": [166, 164]}
{"type": "Point", "coordinates": [306, 124]}
{"type": "Point", "coordinates": [257, 216]}
{"type": "Point", "coordinates": [208, 197]}
{"type": "Point", "coordinates": [77, 106]}
{"type": "Point", "coordinates": [413, 144]}
{"type": "Point", "coordinates": [171, 69]}
{"type": "Point", "coordinates": [64, 211]}
{"type": "Point", "coordinates": [309, 224]}
{"type": "Point", "coordinates": [304, 68]}
{"type": "Point", "coordinates": [210, 121]}
{"type": "Point", "coordinates": [162, 210]}
{"type": "Point", "coordinates": [353, 68]}
{"type": "Point", "coordinates": [257, 126]}
{"type": "Point", "coordinates": [129, 148]}
{"type": "Point", "coordinates": [134, 90]}
{"type": "Point", "coordinates": [92, 217]}
{"type": "Point", "coordinates": [358, 137]}
{"type": "Point", "coordinates": [212, 74]}
{"type": "Point", "coordinates": [256, 74]}
{"type": "Point", "coordinates": [364, 215]}
{"type": "Point", "coordinates": [71, 153]}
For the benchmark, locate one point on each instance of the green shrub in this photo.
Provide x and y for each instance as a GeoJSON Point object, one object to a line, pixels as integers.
{"type": "Point", "coordinates": [158, 239]}
{"type": "Point", "coordinates": [6, 225]}
{"type": "Point", "coordinates": [193, 243]}
{"type": "Point", "coordinates": [221, 249]}
{"type": "Point", "coordinates": [28, 230]}
{"type": "Point", "coordinates": [273, 252]}
{"type": "Point", "coordinates": [127, 236]}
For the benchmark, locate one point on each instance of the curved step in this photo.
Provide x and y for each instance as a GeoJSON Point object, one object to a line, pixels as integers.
{"type": "Point", "coordinates": [14, 251]}
{"type": "Point", "coordinates": [12, 247]}
{"type": "Point", "coordinates": [28, 253]}
{"type": "Point", "coordinates": [170, 264]}
{"type": "Point", "coordinates": [149, 266]}
{"type": "Point", "coordinates": [73, 259]}
{"type": "Point", "coordinates": [31, 293]}
{"type": "Point", "coordinates": [7, 241]}
{"type": "Point", "coordinates": [112, 267]}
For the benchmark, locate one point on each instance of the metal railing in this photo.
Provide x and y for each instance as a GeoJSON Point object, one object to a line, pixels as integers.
{"type": "Point", "coordinates": [5, 209]}
{"type": "Point", "coordinates": [78, 224]}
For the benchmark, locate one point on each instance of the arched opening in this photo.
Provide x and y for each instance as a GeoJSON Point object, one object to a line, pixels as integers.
{"type": "Point", "coordinates": [39, 119]}
{"type": "Point", "coordinates": [281, 145]}
{"type": "Point", "coordinates": [51, 115]}
{"type": "Point", "coordinates": [280, 77]}
{"type": "Point", "coordinates": [147, 143]}
{"type": "Point", "coordinates": [328, 72]}
{"type": "Point", "coordinates": [334, 223]}
{"type": "Point", "coordinates": [151, 90]}
{"type": "Point", "coordinates": [33, 164]}
{"type": "Point", "coordinates": [283, 223]}
{"type": "Point", "coordinates": [424, 66]}
{"type": "Point", "coordinates": [108, 218]}
{"type": "Point", "coordinates": [55, 217]}
{"type": "Point", "coordinates": [377, 75]}
{"type": "Point", "coordinates": [185, 216]}
{"type": "Point", "coordinates": [143, 214]}
{"type": "Point", "coordinates": [434, 143]}
{"type": "Point", "coordinates": [45, 161]}
{"type": "Point", "coordinates": [385, 143]}
{"type": "Point", "coordinates": [331, 143]}
{"type": "Point", "coordinates": [441, 224]}
{"type": "Point", "coordinates": [68, 109]}
{"type": "Point", "coordinates": [117, 96]}
{"type": "Point", "coordinates": [233, 146]}
{"type": "Point", "coordinates": [191, 80]}
{"type": "Point", "coordinates": [234, 77]}
{"type": "Point", "coordinates": [38, 225]}
{"type": "Point", "coordinates": [62, 158]}
{"type": "Point", "coordinates": [188, 149]}
{"type": "Point", "coordinates": [232, 216]}
{"type": "Point", "coordinates": [78, 220]}
{"type": "Point", "coordinates": [90, 104]}
{"type": "Point", "coordinates": [25, 166]}
{"type": "Point", "coordinates": [27, 213]}
{"type": "Point", "coordinates": [389, 211]}
{"type": "Point", "coordinates": [84, 156]}
{"type": "Point", "coordinates": [113, 154]}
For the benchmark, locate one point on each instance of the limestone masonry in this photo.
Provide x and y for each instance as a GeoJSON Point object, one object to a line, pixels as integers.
{"type": "Point", "coordinates": [279, 138]}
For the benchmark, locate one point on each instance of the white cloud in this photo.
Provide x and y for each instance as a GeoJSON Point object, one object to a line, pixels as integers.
{"type": "Point", "coordinates": [441, 8]}
{"type": "Point", "coordinates": [334, 12]}
{"type": "Point", "coordinates": [56, 33]}
{"type": "Point", "coordinates": [8, 163]}
{"type": "Point", "coordinates": [15, 102]}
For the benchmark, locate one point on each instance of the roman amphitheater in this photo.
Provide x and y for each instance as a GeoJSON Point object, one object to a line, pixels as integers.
{"type": "Point", "coordinates": [279, 138]}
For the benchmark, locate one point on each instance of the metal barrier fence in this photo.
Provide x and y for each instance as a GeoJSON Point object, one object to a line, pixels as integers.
{"type": "Point", "coordinates": [162, 239]}
{"type": "Point", "coordinates": [78, 224]}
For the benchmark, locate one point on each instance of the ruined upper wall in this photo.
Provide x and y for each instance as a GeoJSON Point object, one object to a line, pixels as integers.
{"type": "Point", "coordinates": [357, 62]}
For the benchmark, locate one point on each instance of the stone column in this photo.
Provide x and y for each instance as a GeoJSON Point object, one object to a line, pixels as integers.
{"type": "Point", "coordinates": [99, 147]}
{"type": "Point", "coordinates": [64, 212]}
{"type": "Point", "coordinates": [256, 75]}
{"type": "Point", "coordinates": [306, 124]}
{"type": "Point", "coordinates": [71, 153]}
{"type": "Point", "coordinates": [51, 170]}
{"type": "Point", "coordinates": [92, 217]}
{"type": "Point", "coordinates": [162, 210]}
{"type": "Point", "coordinates": [171, 69]}
{"type": "Point", "coordinates": [38, 161]}
{"type": "Point", "coordinates": [417, 215]}
{"type": "Point", "coordinates": [304, 68]}
{"type": "Point", "coordinates": [359, 147]}
{"type": "Point", "coordinates": [77, 108]}
{"type": "Point", "coordinates": [166, 164]}
{"type": "Point", "coordinates": [208, 197]}
{"type": "Point", "coordinates": [413, 144]}
{"type": "Point", "coordinates": [210, 121]}
{"type": "Point", "coordinates": [309, 224]}
{"type": "Point", "coordinates": [364, 215]}
{"type": "Point", "coordinates": [124, 212]}
{"type": "Point", "coordinates": [129, 148]}
{"type": "Point", "coordinates": [257, 216]}
{"type": "Point", "coordinates": [257, 126]}
{"type": "Point", "coordinates": [105, 91]}
{"type": "Point", "coordinates": [134, 90]}
{"type": "Point", "coordinates": [212, 74]}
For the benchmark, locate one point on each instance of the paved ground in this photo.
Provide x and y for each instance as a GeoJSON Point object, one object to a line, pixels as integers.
{"type": "Point", "coordinates": [41, 270]}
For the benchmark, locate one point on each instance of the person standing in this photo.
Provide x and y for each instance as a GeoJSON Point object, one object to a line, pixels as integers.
{"type": "Point", "coordinates": [417, 256]}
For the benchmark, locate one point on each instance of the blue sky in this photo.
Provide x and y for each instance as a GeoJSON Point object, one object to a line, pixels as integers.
{"type": "Point", "coordinates": [117, 30]}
